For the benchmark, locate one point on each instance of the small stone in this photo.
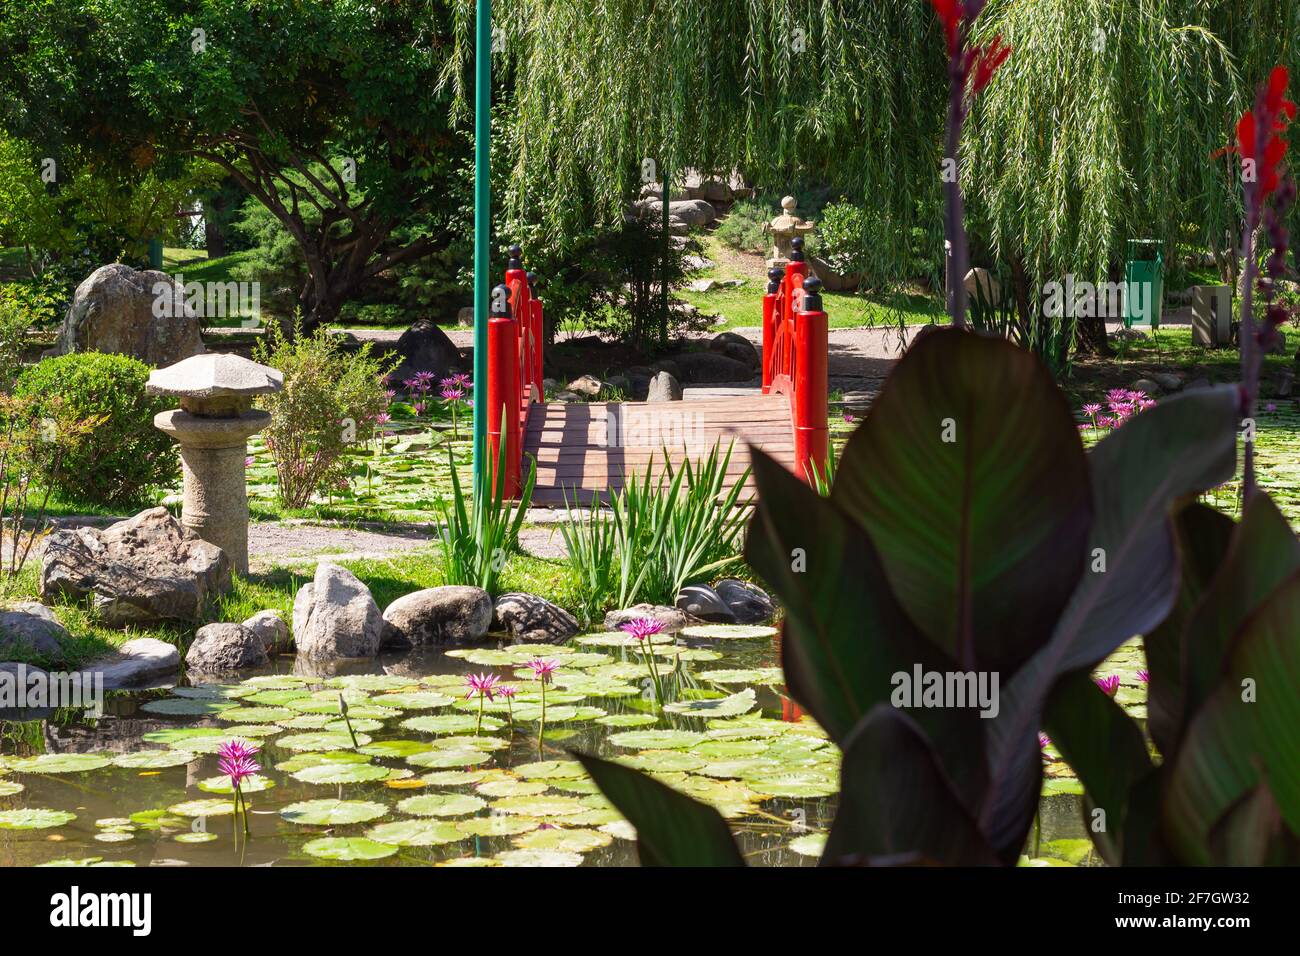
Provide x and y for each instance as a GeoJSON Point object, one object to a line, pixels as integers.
{"type": "Point", "coordinates": [116, 309]}
{"type": "Point", "coordinates": [32, 627]}
{"type": "Point", "coordinates": [587, 385]}
{"type": "Point", "coordinates": [451, 614]}
{"type": "Point", "coordinates": [335, 616]}
{"type": "Point", "coordinates": [1197, 383]}
{"type": "Point", "coordinates": [705, 368]}
{"type": "Point", "coordinates": [664, 388]}
{"type": "Point", "coordinates": [271, 627]}
{"type": "Point", "coordinates": [1168, 381]}
{"type": "Point", "coordinates": [1146, 385]}
{"type": "Point", "coordinates": [701, 601]}
{"type": "Point", "coordinates": [221, 648]}
{"type": "Point", "coordinates": [531, 619]}
{"type": "Point", "coordinates": [672, 619]}
{"type": "Point", "coordinates": [749, 603]}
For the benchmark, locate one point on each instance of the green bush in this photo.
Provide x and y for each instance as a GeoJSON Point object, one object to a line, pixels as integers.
{"type": "Point", "coordinates": [329, 401]}
{"type": "Point", "coordinates": [745, 226]}
{"type": "Point", "coordinates": [124, 458]}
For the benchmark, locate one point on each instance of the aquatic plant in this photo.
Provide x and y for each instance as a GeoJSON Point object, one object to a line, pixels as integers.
{"type": "Point", "coordinates": [236, 762]}
{"type": "Point", "coordinates": [643, 629]}
{"type": "Point", "coordinates": [343, 712]}
{"type": "Point", "coordinates": [485, 686]}
{"type": "Point", "coordinates": [477, 536]}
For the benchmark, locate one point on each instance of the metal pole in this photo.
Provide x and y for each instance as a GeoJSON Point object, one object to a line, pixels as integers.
{"type": "Point", "coordinates": [667, 251]}
{"type": "Point", "coordinates": [482, 227]}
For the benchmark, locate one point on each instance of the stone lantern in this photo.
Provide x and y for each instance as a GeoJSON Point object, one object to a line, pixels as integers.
{"type": "Point", "coordinates": [785, 228]}
{"type": "Point", "coordinates": [212, 427]}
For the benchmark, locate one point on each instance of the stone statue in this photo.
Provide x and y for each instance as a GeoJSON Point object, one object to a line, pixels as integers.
{"type": "Point", "coordinates": [784, 229]}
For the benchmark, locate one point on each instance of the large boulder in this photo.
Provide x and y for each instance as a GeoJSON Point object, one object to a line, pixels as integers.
{"type": "Point", "coordinates": [701, 601]}
{"type": "Point", "coordinates": [144, 570]}
{"type": "Point", "coordinates": [138, 313]}
{"type": "Point", "coordinates": [425, 348]}
{"type": "Point", "coordinates": [533, 620]}
{"type": "Point", "coordinates": [335, 616]}
{"type": "Point", "coordinates": [143, 661]}
{"type": "Point", "coordinates": [221, 648]}
{"type": "Point", "coordinates": [703, 368]}
{"type": "Point", "coordinates": [736, 346]}
{"type": "Point", "coordinates": [749, 604]}
{"type": "Point", "coordinates": [672, 619]}
{"type": "Point", "coordinates": [451, 614]}
{"type": "Point", "coordinates": [33, 629]}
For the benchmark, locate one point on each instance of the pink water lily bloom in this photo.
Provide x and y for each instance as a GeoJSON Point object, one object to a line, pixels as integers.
{"type": "Point", "coordinates": [1144, 676]}
{"type": "Point", "coordinates": [237, 761]}
{"type": "Point", "coordinates": [485, 685]}
{"type": "Point", "coordinates": [642, 627]}
{"type": "Point", "coordinates": [1109, 684]}
{"type": "Point", "coordinates": [543, 668]}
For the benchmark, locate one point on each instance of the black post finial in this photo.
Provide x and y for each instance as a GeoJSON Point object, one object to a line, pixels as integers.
{"type": "Point", "coordinates": [516, 257]}
{"type": "Point", "coordinates": [774, 277]}
{"type": "Point", "coordinates": [812, 294]}
{"type": "Point", "coordinates": [532, 280]}
{"type": "Point", "coordinates": [797, 245]}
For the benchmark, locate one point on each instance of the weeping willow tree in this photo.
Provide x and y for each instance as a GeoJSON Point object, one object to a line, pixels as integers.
{"type": "Point", "coordinates": [842, 92]}
{"type": "Point", "coordinates": [1101, 126]}
{"type": "Point", "coordinates": [1104, 125]}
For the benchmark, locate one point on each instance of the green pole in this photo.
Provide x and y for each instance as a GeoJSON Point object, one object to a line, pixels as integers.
{"type": "Point", "coordinates": [667, 251]}
{"type": "Point", "coordinates": [482, 227]}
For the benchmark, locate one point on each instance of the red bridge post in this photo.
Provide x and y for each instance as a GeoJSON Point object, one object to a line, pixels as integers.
{"type": "Point", "coordinates": [774, 276]}
{"type": "Point", "coordinates": [811, 433]}
{"type": "Point", "coordinates": [503, 393]}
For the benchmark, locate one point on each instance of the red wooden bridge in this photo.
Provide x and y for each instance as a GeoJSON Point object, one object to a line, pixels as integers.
{"type": "Point", "coordinates": [585, 451]}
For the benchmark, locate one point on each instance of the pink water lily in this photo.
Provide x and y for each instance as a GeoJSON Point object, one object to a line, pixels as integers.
{"type": "Point", "coordinates": [1144, 676]}
{"type": "Point", "coordinates": [236, 762]}
{"type": "Point", "coordinates": [485, 685]}
{"type": "Point", "coordinates": [1109, 684]}
{"type": "Point", "coordinates": [542, 668]}
{"type": "Point", "coordinates": [642, 627]}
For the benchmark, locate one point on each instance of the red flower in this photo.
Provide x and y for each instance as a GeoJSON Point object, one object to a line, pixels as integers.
{"type": "Point", "coordinates": [1277, 111]}
{"type": "Point", "coordinates": [985, 61]}
{"type": "Point", "coordinates": [950, 13]}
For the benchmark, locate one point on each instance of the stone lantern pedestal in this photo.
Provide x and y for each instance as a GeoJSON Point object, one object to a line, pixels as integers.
{"type": "Point", "coordinates": [212, 427]}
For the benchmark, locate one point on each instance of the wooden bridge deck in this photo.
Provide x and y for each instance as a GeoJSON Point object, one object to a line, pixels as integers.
{"type": "Point", "coordinates": [590, 449]}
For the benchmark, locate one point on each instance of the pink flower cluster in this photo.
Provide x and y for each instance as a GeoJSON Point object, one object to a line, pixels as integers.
{"type": "Point", "coordinates": [1121, 403]}
{"type": "Point", "coordinates": [237, 761]}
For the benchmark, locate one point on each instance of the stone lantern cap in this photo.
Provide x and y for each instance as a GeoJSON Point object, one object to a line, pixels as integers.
{"type": "Point", "coordinates": [214, 375]}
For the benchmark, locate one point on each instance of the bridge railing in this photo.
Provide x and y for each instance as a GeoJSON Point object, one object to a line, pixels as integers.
{"type": "Point", "coordinates": [514, 366]}
{"type": "Point", "coordinates": [795, 358]}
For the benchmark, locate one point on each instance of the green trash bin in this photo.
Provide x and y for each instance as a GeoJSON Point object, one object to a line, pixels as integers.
{"type": "Point", "coordinates": [155, 253]}
{"type": "Point", "coordinates": [1144, 282]}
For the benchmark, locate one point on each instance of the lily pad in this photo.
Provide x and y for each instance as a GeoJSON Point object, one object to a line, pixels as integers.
{"type": "Point", "coordinates": [187, 706]}
{"type": "Point", "coordinates": [659, 761]}
{"type": "Point", "coordinates": [34, 819]}
{"type": "Point", "coordinates": [320, 741]}
{"type": "Point", "coordinates": [565, 840]}
{"type": "Point", "coordinates": [539, 806]}
{"type": "Point", "coordinates": [348, 849]}
{"type": "Point", "coordinates": [396, 748]}
{"type": "Point", "coordinates": [731, 706]}
{"type": "Point", "coordinates": [195, 836]}
{"type": "Point", "coordinates": [497, 824]}
{"type": "Point", "coordinates": [449, 757]}
{"type": "Point", "coordinates": [538, 858]}
{"type": "Point", "coordinates": [328, 813]}
{"type": "Point", "coordinates": [810, 844]}
{"type": "Point", "coordinates": [202, 808]}
{"type": "Point", "coordinates": [511, 788]}
{"type": "Point", "coordinates": [451, 723]}
{"type": "Point", "coordinates": [221, 784]}
{"type": "Point", "coordinates": [154, 759]}
{"type": "Point", "coordinates": [341, 773]}
{"type": "Point", "coordinates": [60, 763]}
{"type": "Point", "coordinates": [415, 833]}
{"type": "Point", "coordinates": [797, 784]}
{"type": "Point", "coordinates": [551, 770]}
{"type": "Point", "coordinates": [656, 739]}
{"type": "Point", "coordinates": [417, 700]}
{"type": "Point", "coordinates": [441, 805]}
{"type": "Point", "coordinates": [728, 632]}
{"type": "Point", "coordinates": [8, 788]}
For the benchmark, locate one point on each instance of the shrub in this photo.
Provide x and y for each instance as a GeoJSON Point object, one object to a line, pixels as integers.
{"type": "Point", "coordinates": [479, 532]}
{"type": "Point", "coordinates": [124, 457]}
{"type": "Point", "coordinates": [329, 400]}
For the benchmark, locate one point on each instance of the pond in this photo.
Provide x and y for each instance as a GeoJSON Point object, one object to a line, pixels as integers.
{"type": "Point", "coordinates": [424, 783]}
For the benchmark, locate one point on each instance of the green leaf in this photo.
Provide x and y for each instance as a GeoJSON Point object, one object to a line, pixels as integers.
{"type": "Point", "coordinates": [348, 849]}
{"type": "Point", "coordinates": [672, 829]}
{"type": "Point", "coordinates": [970, 479]}
{"type": "Point", "coordinates": [1105, 748]}
{"type": "Point", "coordinates": [896, 802]}
{"type": "Point", "coordinates": [1183, 446]}
{"type": "Point", "coordinates": [1235, 743]}
{"type": "Point", "coordinates": [1263, 553]}
{"type": "Point", "coordinates": [1203, 536]}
